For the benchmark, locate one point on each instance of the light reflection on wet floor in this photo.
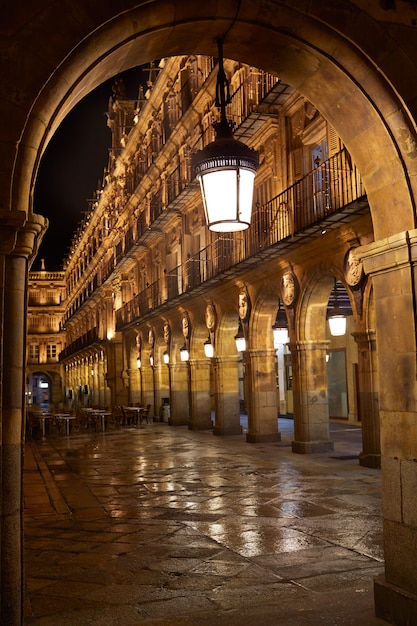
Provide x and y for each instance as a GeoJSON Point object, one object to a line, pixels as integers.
{"type": "Point", "coordinates": [139, 515]}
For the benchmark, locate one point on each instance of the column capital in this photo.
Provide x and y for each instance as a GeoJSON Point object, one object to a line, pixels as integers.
{"type": "Point", "coordinates": [21, 234]}
{"type": "Point", "coordinates": [388, 254]}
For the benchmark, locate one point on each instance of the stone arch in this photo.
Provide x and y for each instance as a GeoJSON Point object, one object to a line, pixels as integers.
{"type": "Point", "coordinates": [328, 61]}
{"type": "Point", "coordinates": [263, 317]}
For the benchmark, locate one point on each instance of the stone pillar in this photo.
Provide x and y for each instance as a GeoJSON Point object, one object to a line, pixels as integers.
{"type": "Point", "coordinates": [147, 387]}
{"type": "Point", "coordinates": [18, 240]}
{"type": "Point", "coordinates": [119, 393]}
{"type": "Point", "coordinates": [261, 396]}
{"type": "Point", "coordinates": [311, 409]}
{"type": "Point", "coordinates": [368, 408]}
{"type": "Point", "coordinates": [134, 386]}
{"type": "Point", "coordinates": [226, 396]}
{"type": "Point", "coordinates": [200, 413]}
{"type": "Point", "coordinates": [392, 264]}
{"type": "Point", "coordinates": [180, 393]}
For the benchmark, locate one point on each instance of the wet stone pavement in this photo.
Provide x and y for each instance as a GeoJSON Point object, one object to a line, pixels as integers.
{"type": "Point", "coordinates": [162, 525]}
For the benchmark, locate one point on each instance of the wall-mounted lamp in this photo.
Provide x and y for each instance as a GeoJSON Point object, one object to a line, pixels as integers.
{"type": "Point", "coordinates": [139, 362]}
{"type": "Point", "coordinates": [226, 169]}
{"type": "Point", "coordinates": [166, 357]}
{"type": "Point", "coordinates": [151, 360]}
{"type": "Point", "coordinates": [208, 348]}
{"type": "Point", "coordinates": [280, 327]}
{"type": "Point", "coordinates": [336, 317]}
{"type": "Point", "coordinates": [240, 339]}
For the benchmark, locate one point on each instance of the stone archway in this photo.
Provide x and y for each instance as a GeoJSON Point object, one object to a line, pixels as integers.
{"type": "Point", "coordinates": [345, 60]}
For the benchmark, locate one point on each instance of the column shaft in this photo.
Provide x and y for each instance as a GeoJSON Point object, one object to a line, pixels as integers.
{"type": "Point", "coordinates": [311, 409]}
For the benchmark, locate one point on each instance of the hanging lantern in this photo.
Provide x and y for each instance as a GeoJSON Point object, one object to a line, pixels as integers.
{"type": "Point", "coordinates": [336, 317]}
{"type": "Point", "coordinates": [208, 348]}
{"type": "Point", "coordinates": [166, 357]}
{"type": "Point", "coordinates": [184, 353]}
{"type": "Point", "coordinates": [226, 170]}
{"type": "Point", "coordinates": [240, 339]}
{"type": "Point", "coordinates": [280, 328]}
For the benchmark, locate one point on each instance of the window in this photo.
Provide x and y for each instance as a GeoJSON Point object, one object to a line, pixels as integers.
{"type": "Point", "coordinates": [51, 351]}
{"type": "Point", "coordinates": [34, 352]}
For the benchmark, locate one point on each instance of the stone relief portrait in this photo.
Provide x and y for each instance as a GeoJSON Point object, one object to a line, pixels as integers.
{"type": "Point", "coordinates": [186, 326]}
{"type": "Point", "coordinates": [353, 269]}
{"type": "Point", "coordinates": [167, 333]}
{"type": "Point", "coordinates": [244, 305]}
{"type": "Point", "coordinates": [289, 289]}
{"type": "Point", "coordinates": [210, 317]}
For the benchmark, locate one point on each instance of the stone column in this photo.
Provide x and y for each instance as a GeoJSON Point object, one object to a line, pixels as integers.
{"type": "Point", "coordinates": [392, 264]}
{"type": "Point", "coordinates": [261, 396]}
{"type": "Point", "coordinates": [311, 409]}
{"type": "Point", "coordinates": [200, 414]}
{"type": "Point", "coordinates": [18, 240]}
{"type": "Point", "coordinates": [179, 393]}
{"type": "Point", "coordinates": [226, 396]}
{"type": "Point", "coordinates": [148, 387]}
{"type": "Point", "coordinates": [368, 399]}
{"type": "Point", "coordinates": [119, 393]}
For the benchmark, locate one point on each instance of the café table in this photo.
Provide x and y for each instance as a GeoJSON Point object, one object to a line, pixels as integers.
{"type": "Point", "coordinates": [42, 419]}
{"type": "Point", "coordinates": [102, 415]}
{"type": "Point", "coordinates": [65, 417]}
{"type": "Point", "coordinates": [137, 410]}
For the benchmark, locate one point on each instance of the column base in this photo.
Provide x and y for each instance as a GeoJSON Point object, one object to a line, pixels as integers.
{"type": "Point", "coordinates": [263, 438]}
{"type": "Point", "coordinates": [370, 460]}
{"type": "Point", "coordinates": [312, 447]}
{"type": "Point", "coordinates": [231, 430]}
{"type": "Point", "coordinates": [179, 422]}
{"type": "Point", "coordinates": [206, 425]}
{"type": "Point", "coordinates": [394, 605]}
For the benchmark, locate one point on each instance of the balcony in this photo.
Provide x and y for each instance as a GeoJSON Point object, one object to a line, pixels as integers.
{"type": "Point", "coordinates": [332, 193]}
{"type": "Point", "coordinates": [81, 343]}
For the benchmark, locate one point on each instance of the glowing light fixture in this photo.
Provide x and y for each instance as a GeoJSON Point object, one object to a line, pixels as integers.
{"type": "Point", "coordinates": [184, 354]}
{"type": "Point", "coordinates": [139, 362]}
{"type": "Point", "coordinates": [208, 348]}
{"type": "Point", "coordinates": [226, 169]}
{"type": "Point", "coordinates": [336, 317]}
{"type": "Point", "coordinates": [240, 339]}
{"type": "Point", "coordinates": [280, 328]}
{"type": "Point", "coordinates": [151, 360]}
{"type": "Point", "coordinates": [166, 357]}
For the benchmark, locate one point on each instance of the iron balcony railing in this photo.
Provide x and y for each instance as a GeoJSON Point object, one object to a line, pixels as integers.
{"type": "Point", "coordinates": [325, 191]}
{"type": "Point", "coordinates": [81, 343]}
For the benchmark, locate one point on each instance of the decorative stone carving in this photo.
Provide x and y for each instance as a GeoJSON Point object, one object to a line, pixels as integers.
{"type": "Point", "coordinates": [289, 289]}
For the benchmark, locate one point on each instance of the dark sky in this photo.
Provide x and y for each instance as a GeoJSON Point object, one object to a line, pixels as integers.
{"type": "Point", "coordinates": [72, 165]}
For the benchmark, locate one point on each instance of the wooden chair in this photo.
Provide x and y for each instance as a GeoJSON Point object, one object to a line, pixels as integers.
{"type": "Point", "coordinates": [145, 414]}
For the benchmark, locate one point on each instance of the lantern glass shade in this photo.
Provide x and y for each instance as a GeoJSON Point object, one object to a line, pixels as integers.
{"type": "Point", "coordinates": [280, 334]}
{"type": "Point", "coordinates": [184, 354]}
{"type": "Point", "coordinates": [208, 348]}
{"type": "Point", "coordinates": [151, 360]}
{"type": "Point", "coordinates": [337, 323]}
{"type": "Point", "coordinates": [166, 357]}
{"type": "Point", "coordinates": [139, 362]}
{"type": "Point", "coordinates": [226, 185]}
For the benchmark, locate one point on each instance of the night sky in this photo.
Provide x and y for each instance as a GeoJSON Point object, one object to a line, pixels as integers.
{"type": "Point", "coordinates": [72, 166]}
